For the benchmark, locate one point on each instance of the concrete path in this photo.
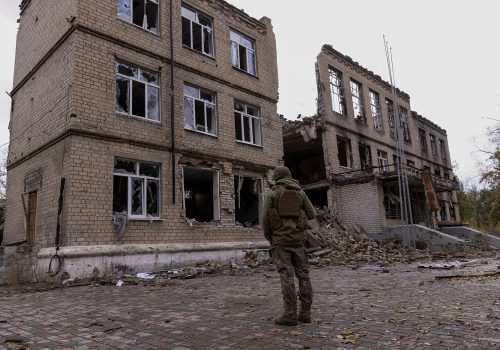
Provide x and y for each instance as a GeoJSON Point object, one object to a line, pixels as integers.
{"type": "Point", "coordinates": [405, 308]}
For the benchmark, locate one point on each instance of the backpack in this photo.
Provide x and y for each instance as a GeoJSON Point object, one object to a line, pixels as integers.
{"type": "Point", "coordinates": [288, 205]}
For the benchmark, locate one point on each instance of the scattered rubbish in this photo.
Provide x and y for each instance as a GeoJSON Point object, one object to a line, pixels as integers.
{"type": "Point", "coordinates": [347, 337]}
{"type": "Point", "coordinates": [486, 275]}
{"type": "Point", "coordinates": [146, 275]}
{"type": "Point", "coordinates": [119, 283]}
{"type": "Point", "coordinates": [449, 265]}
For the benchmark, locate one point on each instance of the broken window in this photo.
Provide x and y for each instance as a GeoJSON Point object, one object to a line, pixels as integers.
{"type": "Point", "coordinates": [432, 138]}
{"type": "Point", "coordinates": [410, 163]}
{"type": "Point", "coordinates": [242, 52]}
{"type": "Point", "coordinates": [136, 189]}
{"type": "Point", "coordinates": [437, 171]}
{"type": "Point", "coordinates": [391, 202]}
{"type": "Point", "coordinates": [403, 113]}
{"type": "Point", "coordinates": [337, 90]}
{"type": "Point", "coordinates": [382, 160]}
{"type": "Point", "coordinates": [365, 157]}
{"type": "Point", "coordinates": [423, 140]}
{"type": "Point", "coordinates": [142, 13]}
{"type": "Point", "coordinates": [199, 110]}
{"type": "Point", "coordinates": [137, 92]}
{"type": "Point", "coordinates": [390, 117]}
{"type": "Point", "coordinates": [375, 109]}
{"type": "Point", "coordinates": [201, 194]}
{"type": "Point", "coordinates": [446, 175]}
{"type": "Point", "coordinates": [442, 148]}
{"type": "Point", "coordinates": [344, 151]}
{"type": "Point", "coordinates": [248, 197]}
{"type": "Point", "coordinates": [357, 101]}
{"type": "Point", "coordinates": [247, 123]}
{"type": "Point", "coordinates": [197, 31]}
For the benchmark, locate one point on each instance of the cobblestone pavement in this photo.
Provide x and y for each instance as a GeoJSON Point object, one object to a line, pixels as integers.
{"type": "Point", "coordinates": [404, 308]}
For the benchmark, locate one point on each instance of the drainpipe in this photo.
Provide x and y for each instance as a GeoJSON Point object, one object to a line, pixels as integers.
{"type": "Point", "coordinates": [172, 110]}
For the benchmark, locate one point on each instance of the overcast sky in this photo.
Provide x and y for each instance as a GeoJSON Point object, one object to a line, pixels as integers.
{"type": "Point", "coordinates": [446, 57]}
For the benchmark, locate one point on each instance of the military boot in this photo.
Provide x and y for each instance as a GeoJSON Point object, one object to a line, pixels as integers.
{"type": "Point", "coordinates": [305, 314]}
{"type": "Point", "coordinates": [286, 320]}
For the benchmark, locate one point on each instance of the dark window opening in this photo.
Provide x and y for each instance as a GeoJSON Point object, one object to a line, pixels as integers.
{"type": "Point", "coordinates": [31, 224]}
{"type": "Point", "coordinates": [138, 12]}
{"type": "Point", "coordinates": [365, 157]}
{"type": "Point", "coordinates": [391, 202]}
{"type": "Point", "coordinates": [318, 197]}
{"type": "Point", "coordinates": [200, 194]}
{"type": "Point", "coordinates": [247, 194]}
{"type": "Point", "coordinates": [344, 152]}
{"type": "Point", "coordinates": [423, 140]}
{"type": "Point", "coordinates": [138, 99]}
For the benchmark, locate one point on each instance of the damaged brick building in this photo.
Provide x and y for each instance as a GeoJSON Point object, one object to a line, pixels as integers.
{"type": "Point", "coordinates": [345, 156]}
{"type": "Point", "coordinates": [144, 128]}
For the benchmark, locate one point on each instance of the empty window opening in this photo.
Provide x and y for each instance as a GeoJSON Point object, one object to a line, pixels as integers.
{"type": "Point", "coordinates": [437, 171]}
{"type": "Point", "coordinates": [248, 198]}
{"type": "Point", "coordinates": [197, 32]}
{"type": "Point", "coordinates": [432, 139]}
{"type": "Point", "coordinates": [382, 160]}
{"type": "Point", "coordinates": [136, 189]}
{"type": "Point", "coordinates": [357, 101]}
{"type": "Point", "coordinates": [337, 91]}
{"type": "Point", "coordinates": [142, 13]}
{"type": "Point", "coordinates": [423, 140]}
{"type": "Point", "coordinates": [201, 194]}
{"type": "Point", "coordinates": [390, 117]}
{"type": "Point", "coordinates": [403, 113]}
{"type": "Point", "coordinates": [391, 202]}
{"type": "Point", "coordinates": [365, 157]}
{"type": "Point", "coordinates": [375, 109]}
{"type": "Point", "coordinates": [442, 148]}
{"type": "Point", "coordinates": [199, 110]}
{"type": "Point", "coordinates": [344, 152]}
{"type": "Point", "coordinates": [137, 92]}
{"type": "Point", "coordinates": [31, 217]}
{"type": "Point", "coordinates": [318, 196]}
{"type": "Point", "coordinates": [247, 124]}
{"type": "Point", "coordinates": [242, 52]}
{"type": "Point", "coordinates": [410, 163]}
{"type": "Point", "coordinates": [418, 205]}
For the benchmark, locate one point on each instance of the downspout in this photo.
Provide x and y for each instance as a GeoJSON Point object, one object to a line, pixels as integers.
{"type": "Point", "coordinates": [172, 109]}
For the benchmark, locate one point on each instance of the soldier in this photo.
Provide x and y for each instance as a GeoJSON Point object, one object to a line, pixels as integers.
{"type": "Point", "coordinates": [286, 211]}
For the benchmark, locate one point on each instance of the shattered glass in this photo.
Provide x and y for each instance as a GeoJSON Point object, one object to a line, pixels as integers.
{"type": "Point", "coordinates": [125, 167]}
{"type": "Point", "coordinates": [136, 196]}
{"type": "Point", "coordinates": [152, 16]}
{"type": "Point", "coordinates": [148, 77]}
{"type": "Point", "coordinates": [125, 69]}
{"type": "Point", "coordinates": [152, 198]}
{"type": "Point", "coordinates": [251, 62]}
{"type": "Point", "coordinates": [124, 10]}
{"type": "Point", "coordinates": [257, 137]}
{"type": "Point", "coordinates": [150, 170]}
{"type": "Point", "coordinates": [188, 113]}
{"type": "Point", "coordinates": [122, 95]}
{"type": "Point", "coordinates": [153, 103]}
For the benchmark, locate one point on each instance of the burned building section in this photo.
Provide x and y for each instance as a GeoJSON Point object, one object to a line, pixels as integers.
{"type": "Point", "coordinates": [346, 155]}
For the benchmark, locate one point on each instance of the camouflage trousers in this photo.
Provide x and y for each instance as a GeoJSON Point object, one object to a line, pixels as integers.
{"type": "Point", "coordinates": [290, 262]}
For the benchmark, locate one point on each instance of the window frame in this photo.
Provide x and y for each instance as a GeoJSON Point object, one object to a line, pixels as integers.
{"type": "Point", "coordinates": [131, 19]}
{"type": "Point", "coordinates": [433, 143]}
{"type": "Point", "coordinates": [383, 163]}
{"type": "Point", "coordinates": [442, 149]}
{"type": "Point", "coordinates": [144, 186]}
{"type": "Point", "coordinates": [391, 117]}
{"type": "Point", "coordinates": [357, 100]}
{"type": "Point", "coordinates": [252, 118]}
{"type": "Point", "coordinates": [242, 38]}
{"type": "Point", "coordinates": [348, 152]}
{"type": "Point", "coordinates": [337, 91]}
{"type": "Point", "coordinates": [205, 103]}
{"type": "Point", "coordinates": [146, 90]}
{"type": "Point", "coordinates": [423, 140]}
{"type": "Point", "coordinates": [376, 110]}
{"type": "Point", "coordinates": [204, 27]}
{"type": "Point", "coordinates": [403, 117]}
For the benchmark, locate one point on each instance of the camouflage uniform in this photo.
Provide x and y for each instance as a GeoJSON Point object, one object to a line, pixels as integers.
{"type": "Point", "coordinates": [287, 249]}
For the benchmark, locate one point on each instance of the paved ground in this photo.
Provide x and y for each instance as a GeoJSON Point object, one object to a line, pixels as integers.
{"type": "Point", "coordinates": [405, 308]}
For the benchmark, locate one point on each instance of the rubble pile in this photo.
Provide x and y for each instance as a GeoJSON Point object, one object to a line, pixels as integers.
{"type": "Point", "coordinates": [328, 242]}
